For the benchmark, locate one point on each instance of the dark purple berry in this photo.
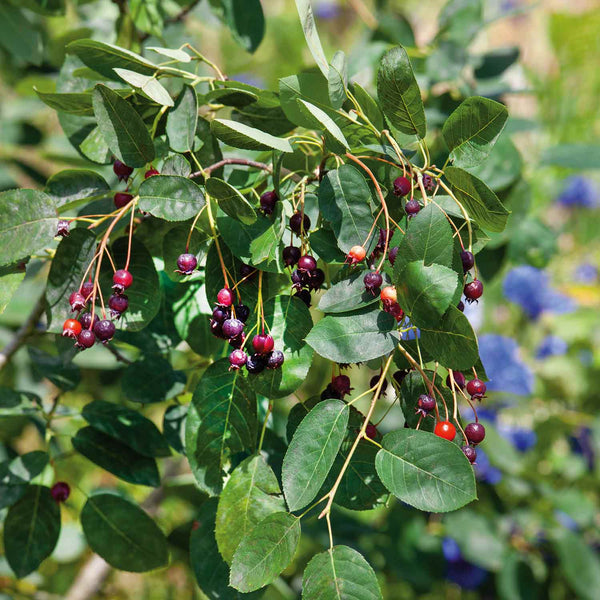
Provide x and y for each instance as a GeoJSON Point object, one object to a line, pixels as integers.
{"type": "Point", "coordinates": [475, 433]}
{"type": "Point", "coordinates": [461, 306]}
{"type": "Point", "coordinates": [87, 289]}
{"type": "Point", "coordinates": [316, 279]}
{"type": "Point", "coordinates": [275, 359]}
{"type": "Point", "coordinates": [428, 183]}
{"type": "Point", "coordinates": [412, 207]}
{"type": "Point", "coordinates": [371, 431]}
{"type": "Point", "coordinates": [118, 304]}
{"type": "Point", "coordinates": [392, 255]}
{"type": "Point", "coordinates": [341, 385]}
{"type": "Point", "coordinates": [121, 170]}
{"type": "Point", "coordinates": [399, 376]}
{"type": "Point", "coordinates": [473, 290]}
{"type": "Point", "coordinates": [62, 228]}
{"type": "Point", "coordinates": [329, 392]}
{"type": "Point", "coordinates": [77, 301]}
{"type": "Point", "coordinates": [122, 199]}
{"type": "Point", "coordinates": [232, 327]}
{"type": "Point", "coordinates": [401, 186]}
{"type": "Point", "coordinates": [459, 380]}
{"type": "Point", "coordinates": [242, 312]}
{"type": "Point", "coordinates": [470, 453]}
{"type": "Point", "coordinates": [375, 380]}
{"type": "Point", "coordinates": [220, 313]}
{"type": "Point", "coordinates": [186, 263]}
{"type": "Point", "coordinates": [86, 320]}
{"type": "Point", "coordinates": [60, 491]}
{"type": "Point", "coordinates": [256, 364]}
{"type": "Point", "coordinates": [425, 404]}
{"type": "Point", "coordinates": [304, 295]}
{"type": "Point", "coordinates": [299, 223]}
{"type": "Point", "coordinates": [373, 281]}
{"type": "Point", "coordinates": [307, 263]}
{"type": "Point", "coordinates": [85, 339]}
{"type": "Point", "coordinates": [238, 341]}
{"type": "Point", "coordinates": [300, 278]}
{"type": "Point", "coordinates": [291, 255]}
{"type": "Point", "coordinates": [268, 201]}
{"type": "Point", "coordinates": [237, 359]}
{"type": "Point", "coordinates": [216, 329]}
{"type": "Point", "coordinates": [246, 271]}
{"type": "Point", "coordinates": [476, 388]}
{"type": "Point", "coordinates": [468, 260]}
{"type": "Point", "coordinates": [104, 330]}
{"type": "Point", "coordinates": [122, 279]}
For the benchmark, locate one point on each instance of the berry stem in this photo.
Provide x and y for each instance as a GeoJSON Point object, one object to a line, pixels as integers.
{"type": "Point", "coordinates": [129, 240]}
{"type": "Point", "coordinates": [462, 209]}
{"type": "Point", "coordinates": [264, 427]}
{"type": "Point", "coordinates": [453, 387]}
{"type": "Point", "coordinates": [215, 237]}
{"type": "Point", "coordinates": [189, 237]}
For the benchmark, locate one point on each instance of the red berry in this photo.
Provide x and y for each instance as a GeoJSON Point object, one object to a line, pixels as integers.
{"type": "Point", "coordinates": [60, 491]}
{"type": "Point", "coordinates": [394, 309]}
{"type": "Point", "coordinates": [122, 199]}
{"type": "Point", "coordinates": [475, 433]}
{"type": "Point", "coordinates": [237, 359]}
{"type": "Point", "coordinates": [371, 431]}
{"type": "Point", "coordinates": [118, 304]}
{"type": "Point", "coordinates": [341, 385]}
{"type": "Point", "coordinates": [71, 328]}
{"type": "Point", "coordinates": [445, 429]}
{"type": "Point", "coordinates": [85, 339]}
{"type": "Point", "coordinates": [268, 201]}
{"type": "Point", "coordinates": [263, 344]}
{"type": "Point", "coordinates": [150, 173]}
{"type": "Point", "coordinates": [225, 297]}
{"type": "Point", "coordinates": [87, 289]}
{"type": "Point", "coordinates": [412, 207]}
{"type": "Point", "coordinates": [470, 453]}
{"type": "Point", "coordinates": [299, 223]}
{"type": "Point", "coordinates": [77, 301]}
{"type": "Point", "coordinates": [122, 171]}
{"type": "Point", "coordinates": [355, 255]}
{"type": "Point", "coordinates": [122, 279]}
{"type": "Point", "coordinates": [476, 388]}
{"type": "Point", "coordinates": [401, 186]}
{"type": "Point", "coordinates": [186, 263]}
{"type": "Point", "coordinates": [307, 263]}
{"type": "Point", "coordinates": [473, 290]}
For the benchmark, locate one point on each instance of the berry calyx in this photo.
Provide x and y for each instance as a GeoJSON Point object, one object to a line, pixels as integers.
{"type": "Point", "coordinates": [401, 186]}
{"type": "Point", "coordinates": [150, 173]}
{"type": "Point", "coordinates": [268, 200]}
{"type": "Point", "coordinates": [275, 359]}
{"type": "Point", "coordinates": [121, 170]}
{"type": "Point", "coordinates": [60, 491]}
{"type": "Point", "coordinates": [104, 330]}
{"type": "Point", "coordinates": [468, 260]}
{"type": "Point", "coordinates": [307, 263]}
{"type": "Point", "coordinates": [85, 339]}
{"type": "Point", "coordinates": [470, 453]}
{"type": "Point", "coordinates": [237, 359]}
{"type": "Point", "coordinates": [412, 207]}
{"type": "Point", "coordinates": [71, 328]}
{"type": "Point", "coordinates": [445, 429]}
{"type": "Point", "coordinates": [118, 304]}
{"type": "Point", "coordinates": [256, 364]}
{"type": "Point", "coordinates": [388, 294]}
{"type": "Point", "coordinates": [232, 328]}
{"type": "Point", "coordinates": [371, 431]}
{"type": "Point", "coordinates": [291, 255]}
{"type": "Point", "coordinates": [62, 228]}
{"type": "Point", "coordinates": [475, 433]}
{"type": "Point", "coordinates": [373, 281]}
{"type": "Point", "coordinates": [476, 388]}
{"type": "Point", "coordinates": [122, 199]}
{"type": "Point", "coordinates": [186, 263]}
{"type": "Point", "coordinates": [263, 344]}
{"type": "Point", "coordinates": [459, 380]}
{"type": "Point", "coordinates": [473, 290]}
{"type": "Point", "coordinates": [355, 255]}
{"type": "Point", "coordinates": [425, 404]}
{"type": "Point", "coordinates": [341, 385]}
{"type": "Point", "coordinates": [225, 297]}
{"type": "Point", "coordinates": [299, 223]}
{"type": "Point", "coordinates": [122, 279]}
{"type": "Point", "coordinates": [77, 301]}
{"type": "Point", "coordinates": [428, 183]}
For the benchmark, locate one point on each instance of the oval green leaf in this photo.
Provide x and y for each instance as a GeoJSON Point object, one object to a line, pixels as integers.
{"type": "Point", "coordinates": [239, 135]}
{"type": "Point", "coordinates": [171, 197]}
{"type": "Point", "coordinates": [182, 120]}
{"type": "Point", "coordinates": [230, 200]}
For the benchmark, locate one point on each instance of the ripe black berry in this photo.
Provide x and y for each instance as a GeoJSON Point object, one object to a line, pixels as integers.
{"type": "Point", "coordinates": [304, 295]}
{"type": "Point", "coordinates": [399, 376]}
{"type": "Point", "coordinates": [329, 392]}
{"type": "Point", "coordinates": [104, 330]}
{"type": "Point", "coordinates": [316, 279]}
{"type": "Point", "coordinates": [392, 255]}
{"type": "Point", "coordinates": [291, 255]}
{"type": "Point", "coordinates": [216, 329]}
{"type": "Point", "coordinates": [238, 341]}
{"type": "Point", "coordinates": [341, 385]}
{"type": "Point", "coordinates": [401, 186]}
{"type": "Point", "coordinates": [473, 290]}
{"type": "Point", "coordinates": [86, 320]}
{"type": "Point", "coordinates": [122, 199]}
{"type": "Point", "coordinates": [468, 260]}
{"type": "Point", "coordinates": [186, 263]}
{"type": "Point", "coordinates": [475, 433]}
{"type": "Point", "coordinates": [77, 301]}
{"type": "Point", "coordinates": [268, 201]}
{"type": "Point", "coordinates": [242, 312]}
{"type": "Point", "coordinates": [299, 223]}
{"type": "Point", "coordinates": [220, 313]}
{"type": "Point", "coordinates": [459, 380]}
{"type": "Point", "coordinates": [232, 327]}
{"type": "Point", "coordinates": [60, 491]}
{"type": "Point", "coordinates": [375, 380]}
{"type": "Point", "coordinates": [256, 364]}
{"type": "Point", "coordinates": [307, 263]}
{"type": "Point", "coordinates": [85, 339]}
{"type": "Point", "coordinates": [425, 404]}
{"type": "Point", "coordinates": [300, 278]}
{"type": "Point", "coordinates": [225, 297]}
{"type": "Point", "coordinates": [275, 359]}
{"type": "Point", "coordinates": [412, 207]}
{"type": "Point", "coordinates": [373, 281]}
{"type": "Point", "coordinates": [470, 453]}
{"type": "Point", "coordinates": [121, 170]}
{"type": "Point", "coordinates": [246, 271]}
{"type": "Point", "coordinates": [118, 304]}
{"type": "Point", "coordinates": [237, 359]}
{"type": "Point", "coordinates": [263, 344]}
{"type": "Point", "coordinates": [122, 279]}
{"type": "Point", "coordinates": [62, 228]}
{"type": "Point", "coordinates": [476, 388]}
{"type": "Point", "coordinates": [428, 183]}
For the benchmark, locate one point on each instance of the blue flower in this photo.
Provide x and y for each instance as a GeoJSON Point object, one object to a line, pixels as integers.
{"type": "Point", "coordinates": [451, 550]}
{"type": "Point", "coordinates": [529, 288]}
{"type": "Point", "coordinates": [551, 345]}
{"type": "Point", "coordinates": [566, 520]}
{"type": "Point", "coordinates": [506, 372]}
{"type": "Point", "coordinates": [521, 438]}
{"type": "Point", "coordinates": [579, 191]}
{"type": "Point", "coordinates": [586, 273]}
{"type": "Point", "coordinates": [484, 471]}
{"type": "Point", "coordinates": [250, 79]}
{"type": "Point", "coordinates": [327, 10]}
{"type": "Point", "coordinates": [460, 571]}
{"type": "Point", "coordinates": [582, 443]}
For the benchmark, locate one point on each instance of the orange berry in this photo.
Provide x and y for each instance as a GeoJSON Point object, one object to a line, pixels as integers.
{"type": "Point", "coordinates": [388, 294]}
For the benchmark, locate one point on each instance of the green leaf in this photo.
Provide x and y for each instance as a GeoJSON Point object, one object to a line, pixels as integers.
{"type": "Point", "coordinates": [58, 369]}
{"type": "Point", "coordinates": [176, 164]}
{"type": "Point", "coordinates": [460, 20]}
{"type": "Point", "coordinates": [230, 200]}
{"type": "Point", "coordinates": [117, 458]}
{"type": "Point", "coordinates": [354, 337]}
{"type": "Point", "coordinates": [221, 422]}
{"type": "Point", "coordinates": [452, 342]}
{"type": "Point", "coordinates": [307, 86]}
{"type": "Point", "coordinates": [312, 451]}
{"type": "Point", "coordinates": [399, 94]}
{"type": "Point", "coordinates": [123, 534]}
{"type": "Point", "coordinates": [472, 130]}
{"type": "Point", "coordinates": [31, 530]}
{"type": "Point", "coordinates": [28, 224]}
{"type": "Point", "coordinates": [239, 135]}
{"type": "Point", "coordinates": [73, 103]}
{"type": "Point", "coordinates": [289, 322]}
{"type": "Point", "coordinates": [171, 197]}
{"type": "Point", "coordinates": [309, 27]}
{"type": "Point", "coordinates": [104, 58]}
{"type": "Point", "coordinates": [173, 53]}
{"type": "Point", "coordinates": [18, 36]}
{"type": "Point", "coordinates": [174, 426]}
{"type": "Point", "coordinates": [573, 156]}
{"type": "Point", "coordinates": [426, 292]}
{"type": "Point", "coordinates": [340, 573]}
{"type": "Point", "coordinates": [148, 85]}
{"type": "Point", "coordinates": [147, 16]}
{"type": "Point", "coordinates": [480, 202]}
{"type": "Point", "coordinates": [349, 294]}
{"type": "Point", "coordinates": [148, 380]}
{"type": "Point", "coordinates": [425, 471]}
{"type": "Point", "coordinates": [337, 79]}
{"type": "Point", "coordinates": [321, 120]}
{"type": "Point", "coordinates": [246, 21]}
{"type": "Point", "coordinates": [11, 277]}
{"type": "Point", "coordinates": [73, 255]}
{"type": "Point", "coordinates": [251, 494]}
{"type": "Point", "coordinates": [182, 120]}
{"type": "Point", "coordinates": [502, 168]}
{"type": "Point", "coordinates": [122, 128]}
{"type": "Point", "coordinates": [368, 105]}
{"type": "Point", "coordinates": [144, 295]}
{"type": "Point", "coordinates": [126, 425]}
{"type": "Point", "coordinates": [23, 469]}
{"type": "Point", "coordinates": [263, 554]}
{"type": "Point", "coordinates": [71, 185]}
{"type": "Point", "coordinates": [344, 200]}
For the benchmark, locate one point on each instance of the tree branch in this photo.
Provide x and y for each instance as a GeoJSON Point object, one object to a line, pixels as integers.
{"type": "Point", "coordinates": [232, 161]}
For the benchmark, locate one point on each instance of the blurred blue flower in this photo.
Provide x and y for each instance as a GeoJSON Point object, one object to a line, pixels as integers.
{"type": "Point", "coordinates": [529, 288]}
{"type": "Point", "coordinates": [488, 414]}
{"type": "Point", "coordinates": [458, 570]}
{"type": "Point", "coordinates": [551, 345]}
{"type": "Point", "coordinates": [578, 191]}
{"type": "Point", "coordinates": [484, 471]}
{"type": "Point", "coordinates": [521, 438]}
{"type": "Point", "coordinates": [411, 334]}
{"type": "Point", "coordinates": [586, 273]}
{"type": "Point", "coordinates": [566, 520]}
{"type": "Point", "coordinates": [327, 9]}
{"type": "Point", "coordinates": [582, 443]}
{"type": "Point", "coordinates": [506, 372]}
{"type": "Point", "coordinates": [250, 79]}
